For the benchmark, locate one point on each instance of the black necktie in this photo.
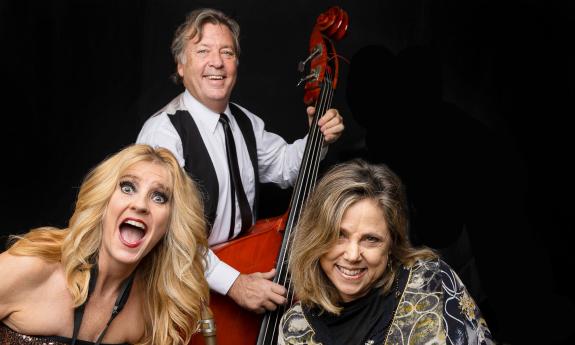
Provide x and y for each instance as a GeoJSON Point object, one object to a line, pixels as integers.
{"type": "Point", "coordinates": [236, 182]}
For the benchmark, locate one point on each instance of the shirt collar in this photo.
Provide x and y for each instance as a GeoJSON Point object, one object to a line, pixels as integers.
{"type": "Point", "coordinates": [203, 114]}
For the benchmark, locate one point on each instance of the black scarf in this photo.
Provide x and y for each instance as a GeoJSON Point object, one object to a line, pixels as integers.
{"type": "Point", "coordinates": [366, 318]}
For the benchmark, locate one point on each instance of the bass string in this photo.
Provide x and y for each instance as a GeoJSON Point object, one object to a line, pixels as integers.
{"type": "Point", "coordinates": [310, 168]}
{"type": "Point", "coordinates": [317, 143]}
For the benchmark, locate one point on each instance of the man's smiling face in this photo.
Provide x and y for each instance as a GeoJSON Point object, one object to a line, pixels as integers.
{"type": "Point", "coordinates": [209, 66]}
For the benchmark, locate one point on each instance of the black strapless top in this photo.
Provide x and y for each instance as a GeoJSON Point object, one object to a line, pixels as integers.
{"type": "Point", "coordinates": [10, 337]}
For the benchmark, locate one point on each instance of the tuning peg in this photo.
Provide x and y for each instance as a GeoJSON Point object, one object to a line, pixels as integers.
{"type": "Point", "coordinates": [301, 65]}
{"type": "Point", "coordinates": [313, 75]}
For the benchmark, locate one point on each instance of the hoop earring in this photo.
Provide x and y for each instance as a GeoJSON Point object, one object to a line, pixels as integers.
{"type": "Point", "coordinates": [390, 263]}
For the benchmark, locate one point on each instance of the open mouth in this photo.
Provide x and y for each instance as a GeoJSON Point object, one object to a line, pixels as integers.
{"type": "Point", "coordinates": [132, 232]}
{"type": "Point", "coordinates": [350, 273]}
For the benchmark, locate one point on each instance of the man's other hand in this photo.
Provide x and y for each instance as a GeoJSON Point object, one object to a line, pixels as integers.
{"type": "Point", "coordinates": [330, 124]}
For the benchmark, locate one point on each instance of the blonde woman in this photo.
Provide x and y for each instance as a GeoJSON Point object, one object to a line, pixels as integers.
{"type": "Point", "coordinates": [360, 281]}
{"type": "Point", "coordinates": [129, 268]}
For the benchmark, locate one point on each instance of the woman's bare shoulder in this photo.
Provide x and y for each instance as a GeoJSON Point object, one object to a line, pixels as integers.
{"type": "Point", "coordinates": [29, 292]}
{"type": "Point", "coordinates": [19, 274]}
{"type": "Point", "coordinates": [25, 265]}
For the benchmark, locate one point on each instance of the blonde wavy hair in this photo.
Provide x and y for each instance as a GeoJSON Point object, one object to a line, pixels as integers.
{"type": "Point", "coordinates": [319, 227]}
{"type": "Point", "coordinates": [172, 273]}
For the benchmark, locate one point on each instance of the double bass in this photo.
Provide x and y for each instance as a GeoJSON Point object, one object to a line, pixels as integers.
{"type": "Point", "coordinates": [267, 243]}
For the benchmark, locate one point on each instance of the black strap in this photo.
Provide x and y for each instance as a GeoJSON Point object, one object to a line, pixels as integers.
{"type": "Point", "coordinates": [118, 306]}
{"type": "Point", "coordinates": [236, 181]}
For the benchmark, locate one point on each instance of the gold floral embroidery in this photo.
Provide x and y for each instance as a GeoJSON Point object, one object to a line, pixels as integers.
{"type": "Point", "coordinates": [467, 306]}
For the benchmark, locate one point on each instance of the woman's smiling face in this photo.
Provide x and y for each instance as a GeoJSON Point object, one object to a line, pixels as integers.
{"type": "Point", "coordinates": [359, 257]}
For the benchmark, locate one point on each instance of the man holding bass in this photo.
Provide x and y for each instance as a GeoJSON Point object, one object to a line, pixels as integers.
{"type": "Point", "coordinates": [225, 147]}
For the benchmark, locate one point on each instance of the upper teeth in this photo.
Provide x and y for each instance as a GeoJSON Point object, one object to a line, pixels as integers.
{"type": "Point", "coordinates": [349, 272]}
{"type": "Point", "coordinates": [215, 77]}
{"type": "Point", "coordinates": [136, 224]}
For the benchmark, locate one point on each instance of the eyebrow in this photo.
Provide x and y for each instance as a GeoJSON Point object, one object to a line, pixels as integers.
{"type": "Point", "coordinates": [211, 46]}
{"type": "Point", "coordinates": [370, 233]}
{"type": "Point", "coordinates": [162, 188]}
{"type": "Point", "coordinates": [133, 177]}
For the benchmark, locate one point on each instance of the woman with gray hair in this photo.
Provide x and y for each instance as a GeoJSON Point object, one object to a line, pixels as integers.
{"type": "Point", "coordinates": [358, 278]}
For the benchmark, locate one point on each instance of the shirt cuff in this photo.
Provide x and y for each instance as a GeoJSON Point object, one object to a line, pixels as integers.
{"type": "Point", "coordinates": [220, 276]}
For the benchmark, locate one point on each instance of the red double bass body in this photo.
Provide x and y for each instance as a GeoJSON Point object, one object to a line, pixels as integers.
{"type": "Point", "coordinates": [260, 249]}
{"type": "Point", "coordinates": [257, 251]}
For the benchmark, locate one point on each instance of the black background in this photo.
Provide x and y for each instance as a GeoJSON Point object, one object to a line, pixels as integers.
{"type": "Point", "coordinates": [80, 77]}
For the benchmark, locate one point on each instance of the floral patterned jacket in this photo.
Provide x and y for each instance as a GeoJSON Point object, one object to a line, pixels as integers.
{"type": "Point", "coordinates": [434, 308]}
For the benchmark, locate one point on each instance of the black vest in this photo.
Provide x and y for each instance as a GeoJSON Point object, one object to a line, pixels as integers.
{"type": "Point", "coordinates": [199, 164]}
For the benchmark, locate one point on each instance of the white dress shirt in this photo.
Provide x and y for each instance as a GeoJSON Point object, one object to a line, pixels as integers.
{"type": "Point", "coordinates": [278, 163]}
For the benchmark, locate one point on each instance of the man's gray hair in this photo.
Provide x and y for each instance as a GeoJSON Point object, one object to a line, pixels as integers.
{"type": "Point", "coordinates": [193, 26]}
